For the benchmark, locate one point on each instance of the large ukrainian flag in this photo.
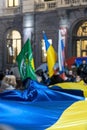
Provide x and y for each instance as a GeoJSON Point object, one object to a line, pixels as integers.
{"type": "Point", "coordinates": [59, 107]}
{"type": "Point", "coordinates": [75, 116]}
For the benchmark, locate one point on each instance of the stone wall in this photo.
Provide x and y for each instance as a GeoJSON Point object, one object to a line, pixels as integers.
{"type": "Point", "coordinates": [6, 24]}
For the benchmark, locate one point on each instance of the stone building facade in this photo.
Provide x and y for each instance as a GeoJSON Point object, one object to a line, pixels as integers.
{"type": "Point", "coordinates": [24, 19]}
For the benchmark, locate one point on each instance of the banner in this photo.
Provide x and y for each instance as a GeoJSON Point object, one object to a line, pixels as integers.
{"type": "Point", "coordinates": [26, 62]}
{"type": "Point", "coordinates": [51, 56]}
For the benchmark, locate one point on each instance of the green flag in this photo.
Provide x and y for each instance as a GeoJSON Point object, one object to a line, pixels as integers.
{"type": "Point", "coordinates": [26, 62]}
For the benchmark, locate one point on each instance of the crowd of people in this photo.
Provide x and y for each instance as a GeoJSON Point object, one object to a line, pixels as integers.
{"type": "Point", "coordinates": [77, 73]}
{"type": "Point", "coordinates": [9, 81]}
{"type": "Point", "coordinates": [73, 74]}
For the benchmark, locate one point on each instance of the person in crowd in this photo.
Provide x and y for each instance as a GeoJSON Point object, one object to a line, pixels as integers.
{"type": "Point", "coordinates": [42, 76]}
{"type": "Point", "coordinates": [8, 83]}
{"type": "Point", "coordinates": [66, 69]}
{"type": "Point", "coordinates": [78, 78]}
{"type": "Point", "coordinates": [15, 71]}
{"type": "Point", "coordinates": [56, 78]}
{"type": "Point", "coordinates": [7, 71]}
{"type": "Point", "coordinates": [74, 69]}
{"type": "Point", "coordinates": [82, 69]}
{"type": "Point", "coordinates": [70, 77]}
{"type": "Point", "coordinates": [39, 78]}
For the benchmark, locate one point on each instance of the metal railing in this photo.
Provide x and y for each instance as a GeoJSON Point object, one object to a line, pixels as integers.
{"type": "Point", "coordinates": [12, 10]}
{"type": "Point", "coordinates": [43, 6]}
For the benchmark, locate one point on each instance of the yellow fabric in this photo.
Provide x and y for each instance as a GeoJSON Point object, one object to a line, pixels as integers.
{"type": "Point", "coordinates": [73, 85]}
{"type": "Point", "coordinates": [73, 118]}
{"type": "Point", "coordinates": [51, 60]}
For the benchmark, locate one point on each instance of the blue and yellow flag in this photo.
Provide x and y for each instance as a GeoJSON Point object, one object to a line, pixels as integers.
{"type": "Point", "coordinates": [39, 107]}
{"type": "Point", "coordinates": [51, 56]}
{"type": "Point", "coordinates": [26, 62]}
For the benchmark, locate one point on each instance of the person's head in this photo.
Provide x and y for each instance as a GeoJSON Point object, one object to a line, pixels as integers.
{"type": "Point", "coordinates": [84, 61]}
{"type": "Point", "coordinates": [78, 78]}
{"type": "Point", "coordinates": [70, 72]}
{"type": "Point", "coordinates": [10, 80]}
{"type": "Point", "coordinates": [39, 78]}
{"type": "Point", "coordinates": [66, 65]}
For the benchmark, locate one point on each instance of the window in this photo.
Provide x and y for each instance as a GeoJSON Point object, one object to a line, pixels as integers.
{"type": "Point", "coordinates": [13, 46]}
{"type": "Point", "coordinates": [12, 3]}
{"type": "Point", "coordinates": [82, 42]}
{"type": "Point", "coordinates": [51, 5]}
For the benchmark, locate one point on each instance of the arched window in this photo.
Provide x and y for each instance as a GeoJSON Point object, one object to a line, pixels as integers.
{"type": "Point", "coordinates": [13, 46]}
{"type": "Point", "coordinates": [82, 40]}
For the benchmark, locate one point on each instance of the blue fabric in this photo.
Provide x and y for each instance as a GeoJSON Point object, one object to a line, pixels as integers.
{"type": "Point", "coordinates": [47, 44]}
{"type": "Point", "coordinates": [36, 108]}
{"type": "Point", "coordinates": [79, 60]}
